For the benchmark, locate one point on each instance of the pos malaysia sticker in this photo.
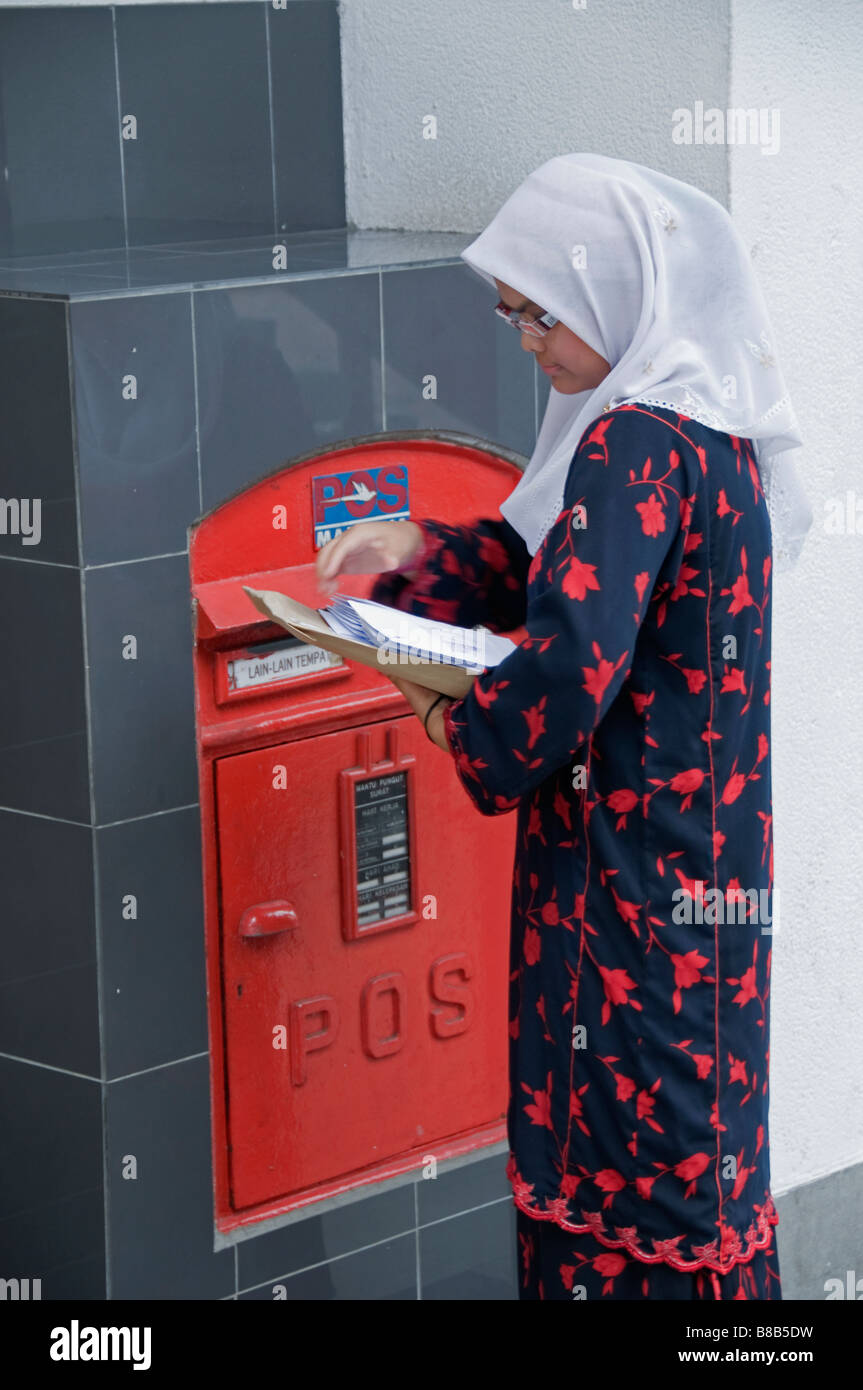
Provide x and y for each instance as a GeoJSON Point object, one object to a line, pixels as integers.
{"type": "Point", "coordinates": [341, 500]}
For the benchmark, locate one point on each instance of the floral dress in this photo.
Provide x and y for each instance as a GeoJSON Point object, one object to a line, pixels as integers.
{"type": "Point", "coordinates": [630, 733]}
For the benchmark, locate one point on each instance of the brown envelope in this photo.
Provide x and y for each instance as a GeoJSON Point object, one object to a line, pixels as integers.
{"type": "Point", "coordinates": [310, 626]}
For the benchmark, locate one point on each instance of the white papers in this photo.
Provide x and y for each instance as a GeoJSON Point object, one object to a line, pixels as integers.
{"type": "Point", "coordinates": [312, 627]}
{"type": "Point", "coordinates": [404, 634]}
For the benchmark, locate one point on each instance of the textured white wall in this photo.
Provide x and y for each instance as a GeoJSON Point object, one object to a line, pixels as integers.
{"type": "Point", "coordinates": [512, 83]}
{"type": "Point", "coordinates": [607, 79]}
{"type": "Point", "coordinates": [801, 212]}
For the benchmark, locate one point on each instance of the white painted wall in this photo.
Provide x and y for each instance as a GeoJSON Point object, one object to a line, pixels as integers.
{"type": "Point", "coordinates": [607, 79]}
{"type": "Point", "coordinates": [801, 212]}
{"type": "Point", "coordinates": [512, 83]}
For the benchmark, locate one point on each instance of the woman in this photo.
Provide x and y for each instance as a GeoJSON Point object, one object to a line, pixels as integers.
{"type": "Point", "coordinates": [630, 730]}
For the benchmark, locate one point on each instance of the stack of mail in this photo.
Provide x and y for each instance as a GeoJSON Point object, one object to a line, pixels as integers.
{"type": "Point", "coordinates": [406, 635]}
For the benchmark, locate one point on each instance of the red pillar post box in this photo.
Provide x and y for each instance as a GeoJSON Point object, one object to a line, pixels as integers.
{"type": "Point", "coordinates": [356, 905]}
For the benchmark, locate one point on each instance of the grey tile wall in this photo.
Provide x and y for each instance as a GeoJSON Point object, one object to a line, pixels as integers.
{"type": "Point", "coordinates": [43, 741]}
{"type": "Point", "coordinates": [383, 1272]}
{"type": "Point", "coordinates": [147, 408]}
{"type": "Point", "coordinates": [448, 1238]}
{"type": "Point", "coordinates": [140, 124]}
{"type": "Point", "coordinates": [195, 80]}
{"type": "Point", "coordinates": [471, 1257]}
{"type": "Point", "coordinates": [152, 940]}
{"type": "Point", "coordinates": [48, 979]}
{"type": "Point", "coordinates": [319, 1239]}
{"type": "Point", "coordinates": [46, 1243]}
{"type": "Point", "coordinates": [142, 714]}
{"type": "Point", "coordinates": [307, 96]}
{"type": "Point", "coordinates": [36, 438]}
{"type": "Point", "coordinates": [281, 370]}
{"type": "Point", "coordinates": [449, 375]}
{"type": "Point", "coordinates": [52, 1222]}
{"type": "Point", "coordinates": [159, 1175]}
{"type": "Point", "coordinates": [135, 410]}
{"type": "Point", "coordinates": [59, 131]}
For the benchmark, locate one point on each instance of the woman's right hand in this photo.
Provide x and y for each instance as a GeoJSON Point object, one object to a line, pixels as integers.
{"type": "Point", "coordinates": [368, 548]}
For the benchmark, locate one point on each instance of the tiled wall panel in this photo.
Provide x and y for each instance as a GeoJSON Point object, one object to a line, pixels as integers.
{"type": "Point", "coordinates": [134, 125]}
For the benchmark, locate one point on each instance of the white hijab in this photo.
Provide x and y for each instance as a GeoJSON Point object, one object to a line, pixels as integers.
{"type": "Point", "coordinates": [653, 275]}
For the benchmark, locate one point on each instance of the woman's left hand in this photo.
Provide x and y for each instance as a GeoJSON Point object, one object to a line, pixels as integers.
{"type": "Point", "coordinates": [419, 699]}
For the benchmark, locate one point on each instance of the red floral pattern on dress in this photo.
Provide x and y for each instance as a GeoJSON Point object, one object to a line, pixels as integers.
{"type": "Point", "coordinates": [630, 732]}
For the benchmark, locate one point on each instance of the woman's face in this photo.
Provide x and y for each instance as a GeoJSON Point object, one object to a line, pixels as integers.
{"type": "Point", "coordinates": [567, 361]}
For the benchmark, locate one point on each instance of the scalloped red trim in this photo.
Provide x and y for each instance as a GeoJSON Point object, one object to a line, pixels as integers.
{"type": "Point", "coordinates": [758, 1234]}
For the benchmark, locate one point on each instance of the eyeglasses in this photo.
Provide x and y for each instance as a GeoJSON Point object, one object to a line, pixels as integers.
{"type": "Point", "coordinates": [536, 327]}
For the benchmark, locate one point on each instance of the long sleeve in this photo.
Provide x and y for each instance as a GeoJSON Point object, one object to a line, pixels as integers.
{"type": "Point", "coordinates": [465, 575]}
{"type": "Point", "coordinates": [627, 504]}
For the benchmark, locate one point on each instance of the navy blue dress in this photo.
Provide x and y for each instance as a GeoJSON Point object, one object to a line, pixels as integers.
{"type": "Point", "coordinates": [630, 733]}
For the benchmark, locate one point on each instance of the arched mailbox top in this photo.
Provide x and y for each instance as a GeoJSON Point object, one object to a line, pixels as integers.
{"type": "Point", "coordinates": [285, 518]}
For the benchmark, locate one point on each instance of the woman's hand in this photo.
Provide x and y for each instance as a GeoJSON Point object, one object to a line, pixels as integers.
{"type": "Point", "coordinates": [367, 548]}
{"type": "Point", "coordinates": [419, 700]}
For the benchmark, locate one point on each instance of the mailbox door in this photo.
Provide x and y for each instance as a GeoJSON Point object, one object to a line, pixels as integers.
{"type": "Point", "coordinates": [357, 1027]}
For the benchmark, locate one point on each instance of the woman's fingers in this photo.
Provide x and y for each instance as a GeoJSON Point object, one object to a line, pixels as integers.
{"type": "Point", "coordinates": [367, 548]}
{"type": "Point", "coordinates": [331, 559]}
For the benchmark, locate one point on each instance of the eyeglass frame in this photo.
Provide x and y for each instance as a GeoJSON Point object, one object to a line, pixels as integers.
{"type": "Point", "coordinates": [536, 327]}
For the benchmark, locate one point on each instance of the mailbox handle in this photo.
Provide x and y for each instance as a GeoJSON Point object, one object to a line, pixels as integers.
{"type": "Point", "coordinates": [266, 919]}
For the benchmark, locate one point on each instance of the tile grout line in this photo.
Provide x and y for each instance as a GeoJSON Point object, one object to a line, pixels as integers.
{"type": "Point", "coordinates": [40, 815]}
{"type": "Point", "coordinates": [137, 560]}
{"type": "Point", "coordinates": [37, 743]}
{"type": "Point", "coordinates": [98, 1080]}
{"type": "Point", "coordinates": [103, 825]}
{"type": "Point", "coordinates": [273, 279]}
{"type": "Point", "coordinates": [31, 559]}
{"type": "Point", "coordinates": [91, 794]}
{"type": "Point", "coordinates": [46, 1066]}
{"type": "Point", "coordinates": [119, 126]}
{"type": "Point", "coordinates": [54, 1202]}
{"type": "Point", "coordinates": [372, 1245]}
{"type": "Point", "coordinates": [381, 349]}
{"type": "Point", "coordinates": [49, 974]}
{"type": "Point", "coordinates": [196, 408]}
{"type": "Point", "coordinates": [103, 1059]}
{"type": "Point", "coordinates": [148, 815]}
{"type": "Point", "coordinates": [271, 115]}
